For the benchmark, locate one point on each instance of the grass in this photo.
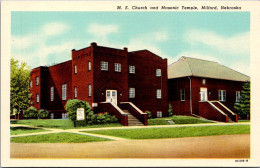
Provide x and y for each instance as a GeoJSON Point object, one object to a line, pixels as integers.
{"type": "Point", "coordinates": [177, 132]}
{"type": "Point", "coordinates": [243, 120]}
{"type": "Point", "coordinates": [61, 124]}
{"type": "Point", "coordinates": [177, 120]}
{"type": "Point", "coordinates": [24, 130]}
{"type": "Point", "coordinates": [57, 138]}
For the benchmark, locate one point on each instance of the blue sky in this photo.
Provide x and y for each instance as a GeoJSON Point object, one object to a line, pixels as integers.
{"type": "Point", "coordinates": [45, 38]}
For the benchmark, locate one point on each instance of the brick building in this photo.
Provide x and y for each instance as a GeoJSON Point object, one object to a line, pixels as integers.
{"type": "Point", "coordinates": [125, 84]}
{"type": "Point", "coordinates": [204, 88]}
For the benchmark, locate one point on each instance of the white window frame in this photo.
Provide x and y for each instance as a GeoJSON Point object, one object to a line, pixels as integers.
{"type": "Point", "coordinates": [37, 98]}
{"type": "Point", "coordinates": [75, 92]}
{"type": "Point", "coordinates": [159, 93]}
{"type": "Point", "coordinates": [51, 115]}
{"type": "Point", "coordinates": [131, 92]}
{"type": "Point", "coordinates": [37, 80]}
{"type": "Point", "coordinates": [117, 67]}
{"type": "Point", "coordinates": [132, 69]}
{"type": "Point", "coordinates": [64, 91]}
{"type": "Point", "coordinates": [75, 69]}
{"type": "Point", "coordinates": [89, 66]}
{"type": "Point", "coordinates": [238, 96]}
{"type": "Point", "coordinates": [104, 66]}
{"type": "Point", "coordinates": [159, 114]}
{"type": "Point", "coordinates": [182, 94]}
{"type": "Point", "coordinates": [158, 72]}
{"type": "Point", "coordinates": [222, 95]}
{"type": "Point", "coordinates": [64, 115]}
{"type": "Point", "coordinates": [89, 90]}
{"type": "Point", "coordinates": [52, 93]}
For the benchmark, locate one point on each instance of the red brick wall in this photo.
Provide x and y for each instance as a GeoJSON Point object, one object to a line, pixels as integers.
{"type": "Point", "coordinates": [146, 82]}
{"type": "Point", "coordinates": [36, 89]}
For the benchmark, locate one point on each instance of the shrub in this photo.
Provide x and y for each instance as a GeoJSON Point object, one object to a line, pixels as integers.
{"type": "Point", "coordinates": [31, 113]}
{"type": "Point", "coordinates": [170, 110]}
{"type": "Point", "coordinates": [149, 114]}
{"type": "Point", "coordinates": [43, 114]}
{"type": "Point", "coordinates": [72, 105]}
{"type": "Point", "coordinates": [105, 118]}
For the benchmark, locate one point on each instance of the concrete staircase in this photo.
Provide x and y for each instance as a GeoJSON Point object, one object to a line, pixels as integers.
{"type": "Point", "coordinates": [132, 121]}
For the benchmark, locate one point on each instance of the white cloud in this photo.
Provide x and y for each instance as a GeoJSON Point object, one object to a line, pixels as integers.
{"type": "Point", "coordinates": [237, 44]}
{"type": "Point", "coordinates": [102, 30]}
{"type": "Point", "coordinates": [161, 35]}
{"type": "Point", "coordinates": [54, 28]}
{"type": "Point", "coordinates": [22, 42]}
{"type": "Point", "coordinates": [241, 66]}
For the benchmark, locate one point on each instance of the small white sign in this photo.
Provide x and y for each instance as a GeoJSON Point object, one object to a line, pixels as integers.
{"type": "Point", "coordinates": [94, 104]}
{"type": "Point", "coordinates": [80, 114]}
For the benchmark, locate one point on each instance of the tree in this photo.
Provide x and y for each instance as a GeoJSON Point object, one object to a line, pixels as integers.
{"type": "Point", "coordinates": [20, 92]}
{"type": "Point", "coordinates": [243, 106]}
{"type": "Point", "coordinates": [170, 110]}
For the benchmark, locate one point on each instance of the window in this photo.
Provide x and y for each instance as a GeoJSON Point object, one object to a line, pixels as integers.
{"type": "Point", "coordinates": [158, 72]}
{"type": "Point", "coordinates": [64, 91]}
{"type": "Point", "coordinates": [37, 80]}
{"type": "Point", "coordinates": [75, 69]}
{"type": "Point", "coordinates": [52, 93]}
{"type": "Point", "coordinates": [104, 66]}
{"type": "Point", "coordinates": [64, 116]}
{"type": "Point", "coordinates": [159, 93]}
{"type": "Point", "coordinates": [89, 90]}
{"type": "Point", "coordinates": [75, 92]}
{"type": "Point", "coordinates": [131, 92]}
{"type": "Point", "coordinates": [182, 94]}
{"type": "Point", "coordinates": [37, 98]}
{"type": "Point", "coordinates": [117, 67]}
{"type": "Point", "coordinates": [89, 66]}
{"type": "Point", "coordinates": [238, 96]}
{"type": "Point", "coordinates": [30, 84]}
{"type": "Point", "coordinates": [222, 95]}
{"type": "Point", "coordinates": [131, 69]}
{"type": "Point", "coordinates": [159, 114]}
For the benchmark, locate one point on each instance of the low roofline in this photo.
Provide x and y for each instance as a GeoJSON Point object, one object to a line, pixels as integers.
{"type": "Point", "coordinates": [210, 78]}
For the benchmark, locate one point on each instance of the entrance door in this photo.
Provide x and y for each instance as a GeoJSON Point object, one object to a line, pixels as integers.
{"type": "Point", "coordinates": [111, 96]}
{"type": "Point", "coordinates": [203, 94]}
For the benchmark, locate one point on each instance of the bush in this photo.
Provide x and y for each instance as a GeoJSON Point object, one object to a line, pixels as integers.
{"type": "Point", "coordinates": [72, 105]}
{"type": "Point", "coordinates": [105, 118]}
{"type": "Point", "coordinates": [43, 114]}
{"type": "Point", "coordinates": [170, 110]}
{"type": "Point", "coordinates": [149, 114]}
{"type": "Point", "coordinates": [30, 113]}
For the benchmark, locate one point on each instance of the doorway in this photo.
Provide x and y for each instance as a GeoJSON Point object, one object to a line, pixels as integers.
{"type": "Point", "coordinates": [203, 94]}
{"type": "Point", "coordinates": [111, 96]}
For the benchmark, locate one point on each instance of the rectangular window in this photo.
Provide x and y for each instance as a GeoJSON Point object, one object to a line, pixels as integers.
{"type": "Point", "coordinates": [159, 114]}
{"type": "Point", "coordinates": [131, 69]}
{"type": "Point", "coordinates": [131, 92]}
{"type": "Point", "coordinates": [182, 94]}
{"type": "Point", "coordinates": [159, 93]}
{"type": "Point", "coordinates": [89, 90]}
{"type": "Point", "coordinates": [52, 115]}
{"type": "Point", "coordinates": [64, 116]}
{"type": "Point", "coordinates": [89, 66]}
{"type": "Point", "coordinates": [158, 72]}
{"type": "Point", "coordinates": [238, 96]}
{"type": "Point", "coordinates": [104, 66]}
{"type": "Point", "coordinates": [117, 67]}
{"type": "Point", "coordinates": [52, 93]}
{"type": "Point", "coordinates": [64, 91]}
{"type": "Point", "coordinates": [75, 69]}
{"type": "Point", "coordinates": [37, 98]}
{"type": "Point", "coordinates": [222, 95]}
{"type": "Point", "coordinates": [75, 92]}
{"type": "Point", "coordinates": [30, 84]}
{"type": "Point", "coordinates": [37, 80]}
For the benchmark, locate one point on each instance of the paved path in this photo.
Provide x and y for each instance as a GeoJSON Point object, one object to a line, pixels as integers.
{"type": "Point", "coordinates": [221, 146]}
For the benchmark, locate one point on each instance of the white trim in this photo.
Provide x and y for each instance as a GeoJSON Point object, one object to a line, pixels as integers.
{"type": "Point", "coordinates": [216, 108]}
{"type": "Point", "coordinates": [116, 107]}
{"type": "Point", "coordinates": [140, 111]}
{"type": "Point", "coordinates": [226, 108]}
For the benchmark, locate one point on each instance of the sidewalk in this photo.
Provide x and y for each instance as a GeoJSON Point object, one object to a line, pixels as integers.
{"type": "Point", "coordinates": [79, 130]}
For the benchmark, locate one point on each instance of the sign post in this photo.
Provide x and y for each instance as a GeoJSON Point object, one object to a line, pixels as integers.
{"type": "Point", "coordinates": [80, 120]}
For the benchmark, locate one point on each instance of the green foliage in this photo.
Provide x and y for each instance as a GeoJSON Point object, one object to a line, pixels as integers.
{"type": "Point", "coordinates": [243, 106]}
{"type": "Point", "coordinates": [149, 114]}
{"type": "Point", "coordinates": [105, 118]}
{"type": "Point", "coordinates": [72, 105]}
{"type": "Point", "coordinates": [170, 110]}
{"type": "Point", "coordinates": [43, 114]}
{"type": "Point", "coordinates": [19, 91]}
{"type": "Point", "coordinates": [31, 113]}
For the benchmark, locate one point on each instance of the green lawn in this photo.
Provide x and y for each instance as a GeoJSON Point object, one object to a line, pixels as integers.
{"type": "Point", "coordinates": [243, 120]}
{"type": "Point", "coordinates": [57, 138]}
{"type": "Point", "coordinates": [177, 120]}
{"type": "Point", "coordinates": [61, 124]}
{"type": "Point", "coordinates": [157, 133]}
{"type": "Point", "coordinates": [25, 130]}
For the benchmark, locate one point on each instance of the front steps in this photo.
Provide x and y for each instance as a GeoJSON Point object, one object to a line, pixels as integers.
{"type": "Point", "coordinates": [132, 121]}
